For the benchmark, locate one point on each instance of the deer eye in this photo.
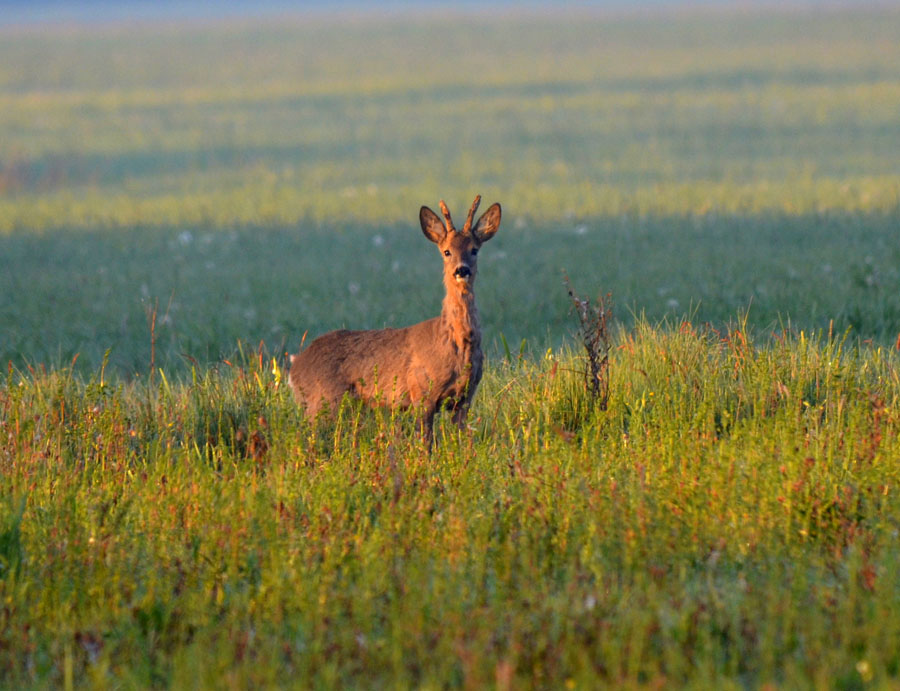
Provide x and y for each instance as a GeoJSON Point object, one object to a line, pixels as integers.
{"type": "Point", "coordinates": [446, 253]}
{"type": "Point", "coordinates": [474, 251]}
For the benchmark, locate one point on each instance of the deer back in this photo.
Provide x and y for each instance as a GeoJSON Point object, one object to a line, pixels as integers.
{"type": "Point", "coordinates": [399, 367]}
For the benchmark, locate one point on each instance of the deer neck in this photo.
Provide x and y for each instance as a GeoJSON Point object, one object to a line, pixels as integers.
{"type": "Point", "coordinates": [459, 319]}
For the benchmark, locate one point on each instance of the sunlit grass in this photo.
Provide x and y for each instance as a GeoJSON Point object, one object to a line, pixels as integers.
{"type": "Point", "coordinates": [271, 201]}
{"type": "Point", "coordinates": [730, 516]}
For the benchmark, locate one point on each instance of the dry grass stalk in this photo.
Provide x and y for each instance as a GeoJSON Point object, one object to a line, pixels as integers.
{"type": "Point", "coordinates": [594, 322]}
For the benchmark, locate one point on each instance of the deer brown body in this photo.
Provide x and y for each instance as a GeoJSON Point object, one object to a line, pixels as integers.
{"type": "Point", "coordinates": [433, 364]}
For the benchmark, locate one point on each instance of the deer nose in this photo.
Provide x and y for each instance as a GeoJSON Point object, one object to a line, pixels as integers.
{"type": "Point", "coordinates": [462, 271]}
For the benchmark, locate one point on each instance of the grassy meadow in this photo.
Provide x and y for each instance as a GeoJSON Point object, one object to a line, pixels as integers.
{"type": "Point", "coordinates": [180, 203]}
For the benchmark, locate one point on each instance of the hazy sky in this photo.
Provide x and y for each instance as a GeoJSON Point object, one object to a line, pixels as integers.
{"type": "Point", "coordinates": [27, 11]}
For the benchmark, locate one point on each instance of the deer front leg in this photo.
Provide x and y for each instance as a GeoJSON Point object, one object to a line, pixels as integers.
{"type": "Point", "coordinates": [425, 424]}
{"type": "Point", "coordinates": [460, 413]}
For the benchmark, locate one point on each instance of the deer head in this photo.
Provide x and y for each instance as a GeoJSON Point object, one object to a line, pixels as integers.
{"type": "Point", "coordinates": [460, 247]}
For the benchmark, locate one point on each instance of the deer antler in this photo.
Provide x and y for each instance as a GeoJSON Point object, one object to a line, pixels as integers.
{"type": "Point", "coordinates": [468, 226]}
{"type": "Point", "coordinates": [449, 221]}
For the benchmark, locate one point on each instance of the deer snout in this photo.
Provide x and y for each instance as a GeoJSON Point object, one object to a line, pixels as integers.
{"type": "Point", "coordinates": [462, 271]}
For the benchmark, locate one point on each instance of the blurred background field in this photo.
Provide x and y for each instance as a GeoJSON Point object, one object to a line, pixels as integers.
{"type": "Point", "coordinates": [258, 178]}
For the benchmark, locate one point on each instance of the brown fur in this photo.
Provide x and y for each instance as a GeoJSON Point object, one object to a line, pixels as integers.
{"type": "Point", "coordinates": [426, 366]}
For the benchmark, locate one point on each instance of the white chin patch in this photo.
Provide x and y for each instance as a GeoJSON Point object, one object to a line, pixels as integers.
{"type": "Point", "coordinates": [462, 279]}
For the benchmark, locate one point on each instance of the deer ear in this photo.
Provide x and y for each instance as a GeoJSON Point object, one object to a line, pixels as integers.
{"type": "Point", "coordinates": [488, 223]}
{"type": "Point", "coordinates": [432, 226]}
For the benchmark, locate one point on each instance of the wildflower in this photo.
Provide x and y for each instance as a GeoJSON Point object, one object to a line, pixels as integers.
{"type": "Point", "coordinates": [865, 670]}
{"type": "Point", "coordinates": [276, 372]}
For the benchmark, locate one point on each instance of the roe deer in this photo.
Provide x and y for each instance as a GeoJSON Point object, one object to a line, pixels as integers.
{"type": "Point", "coordinates": [427, 366]}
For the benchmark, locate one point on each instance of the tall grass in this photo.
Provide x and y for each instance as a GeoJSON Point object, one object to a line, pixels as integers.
{"type": "Point", "coordinates": [729, 519]}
